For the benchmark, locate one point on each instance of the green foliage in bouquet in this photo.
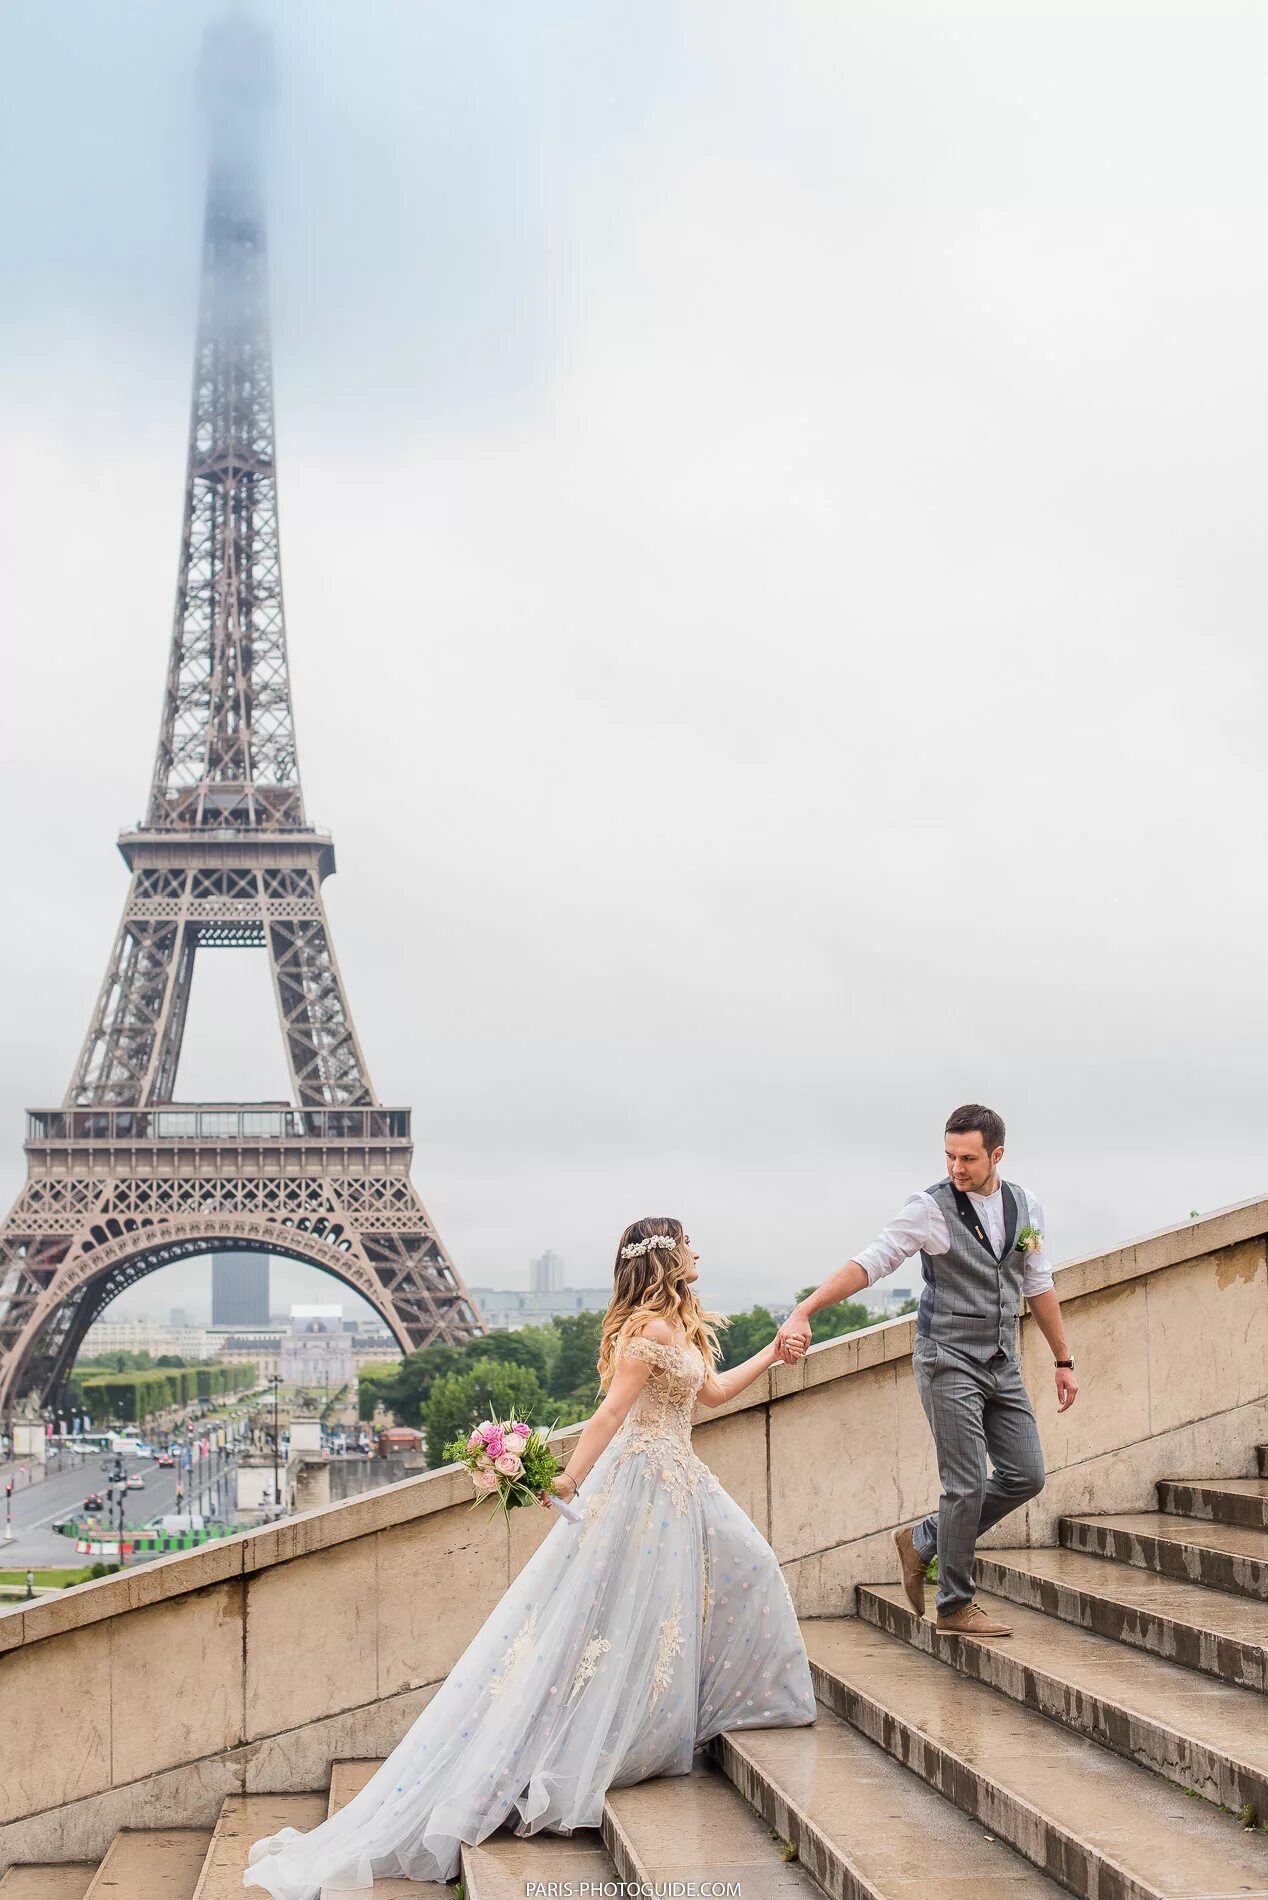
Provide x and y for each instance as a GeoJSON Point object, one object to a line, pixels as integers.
{"type": "Point", "coordinates": [539, 1468]}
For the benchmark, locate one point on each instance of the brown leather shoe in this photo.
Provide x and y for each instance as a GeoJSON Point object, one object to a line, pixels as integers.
{"type": "Point", "coordinates": [970, 1620]}
{"type": "Point", "coordinates": [913, 1569]}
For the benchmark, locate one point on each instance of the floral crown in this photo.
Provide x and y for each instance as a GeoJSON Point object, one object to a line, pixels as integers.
{"type": "Point", "coordinates": [636, 1247]}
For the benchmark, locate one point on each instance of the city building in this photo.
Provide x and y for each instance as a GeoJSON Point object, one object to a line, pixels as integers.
{"type": "Point", "coordinates": [317, 1349]}
{"type": "Point", "coordinates": [506, 1309]}
{"type": "Point", "coordinates": [147, 1335]}
{"type": "Point", "coordinates": [546, 1273]}
{"type": "Point", "coordinates": [239, 1289]}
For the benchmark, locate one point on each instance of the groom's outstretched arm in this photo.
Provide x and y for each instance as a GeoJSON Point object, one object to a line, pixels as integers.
{"type": "Point", "coordinates": [847, 1280]}
{"type": "Point", "coordinates": [915, 1227]}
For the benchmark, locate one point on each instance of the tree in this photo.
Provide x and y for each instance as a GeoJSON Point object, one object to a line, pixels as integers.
{"type": "Point", "coordinates": [488, 1388]}
{"type": "Point", "coordinates": [745, 1334]}
{"type": "Point", "coordinates": [531, 1346]}
{"type": "Point", "coordinates": [908, 1306]}
{"type": "Point", "coordinates": [843, 1316]}
{"type": "Point", "coordinates": [575, 1372]}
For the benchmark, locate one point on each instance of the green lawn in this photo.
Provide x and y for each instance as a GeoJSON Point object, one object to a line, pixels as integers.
{"type": "Point", "coordinates": [58, 1579]}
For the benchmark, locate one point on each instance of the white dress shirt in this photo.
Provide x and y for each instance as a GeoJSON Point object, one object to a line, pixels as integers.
{"type": "Point", "coordinates": [921, 1227]}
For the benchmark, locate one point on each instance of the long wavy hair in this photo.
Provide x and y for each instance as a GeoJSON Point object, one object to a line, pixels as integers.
{"type": "Point", "coordinates": [654, 1286]}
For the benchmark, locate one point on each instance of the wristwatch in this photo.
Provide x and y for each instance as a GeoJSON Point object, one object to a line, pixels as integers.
{"type": "Point", "coordinates": [1067, 1363]}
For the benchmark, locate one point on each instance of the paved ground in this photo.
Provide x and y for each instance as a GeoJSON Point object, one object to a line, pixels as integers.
{"type": "Point", "coordinates": [37, 1507]}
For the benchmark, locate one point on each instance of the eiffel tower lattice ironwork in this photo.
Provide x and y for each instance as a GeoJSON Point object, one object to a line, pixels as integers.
{"type": "Point", "coordinates": [121, 1179]}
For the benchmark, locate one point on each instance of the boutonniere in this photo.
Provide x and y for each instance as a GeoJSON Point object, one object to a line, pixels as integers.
{"type": "Point", "coordinates": [1029, 1240]}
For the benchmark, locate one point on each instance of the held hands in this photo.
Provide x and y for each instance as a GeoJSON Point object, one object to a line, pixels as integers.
{"type": "Point", "coordinates": [1067, 1388]}
{"type": "Point", "coordinates": [792, 1340]}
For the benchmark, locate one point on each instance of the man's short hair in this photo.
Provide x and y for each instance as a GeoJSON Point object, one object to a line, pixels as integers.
{"type": "Point", "coordinates": [988, 1124]}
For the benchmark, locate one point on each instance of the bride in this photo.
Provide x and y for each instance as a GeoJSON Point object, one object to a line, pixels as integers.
{"type": "Point", "coordinates": [625, 1642]}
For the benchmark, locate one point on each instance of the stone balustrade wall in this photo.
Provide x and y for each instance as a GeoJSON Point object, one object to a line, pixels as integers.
{"type": "Point", "coordinates": [142, 1699]}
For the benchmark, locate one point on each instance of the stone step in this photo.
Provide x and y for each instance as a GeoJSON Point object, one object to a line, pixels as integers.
{"type": "Point", "coordinates": [346, 1779]}
{"type": "Point", "coordinates": [1221, 1556]}
{"type": "Point", "coordinates": [697, 1827]}
{"type": "Point", "coordinates": [1104, 1828]}
{"type": "Point", "coordinates": [504, 1866]}
{"type": "Point", "coordinates": [1222, 1501]}
{"type": "Point", "coordinates": [864, 1828]}
{"type": "Point", "coordinates": [243, 1820]}
{"type": "Point", "coordinates": [1202, 1735]}
{"type": "Point", "coordinates": [1221, 1635]}
{"type": "Point", "coordinates": [67, 1881]}
{"type": "Point", "coordinates": [162, 1863]}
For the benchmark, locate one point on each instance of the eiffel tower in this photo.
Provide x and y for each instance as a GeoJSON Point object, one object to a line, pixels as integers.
{"type": "Point", "coordinates": [122, 1179]}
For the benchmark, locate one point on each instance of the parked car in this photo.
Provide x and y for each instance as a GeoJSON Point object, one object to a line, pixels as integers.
{"type": "Point", "coordinates": [136, 1482]}
{"type": "Point", "coordinates": [93, 1502]}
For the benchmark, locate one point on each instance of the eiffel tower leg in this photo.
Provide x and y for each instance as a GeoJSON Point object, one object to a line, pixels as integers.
{"type": "Point", "coordinates": [134, 1037]}
{"type": "Point", "coordinates": [327, 1066]}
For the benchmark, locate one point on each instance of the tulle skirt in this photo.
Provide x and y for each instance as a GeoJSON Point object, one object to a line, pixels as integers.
{"type": "Point", "coordinates": [624, 1643]}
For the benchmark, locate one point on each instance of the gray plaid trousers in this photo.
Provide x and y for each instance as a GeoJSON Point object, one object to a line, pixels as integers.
{"type": "Point", "coordinates": [975, 1407]}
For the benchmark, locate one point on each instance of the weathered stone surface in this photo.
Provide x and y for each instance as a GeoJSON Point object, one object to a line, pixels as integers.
{"type": "Point", "coordinates": [1202, 1735]}
{"type": "Point", "coordinates": [157, 1863]}
{"type": "Point", "coordinates": [1105, 1828]}
{"type": "Point", "coordinates": [816, 1502]}
{"type": "Point", "coordinates": [1221, 1556]}
{"type": "Point", "coordinates": [243, 1820]}
{"type": "Point", "coordinates": [1209, 1630]}
{"type": "Point", "coordinates": [195, 1641]}
{"type": "Point", "coordinates": [435, 1582]}
{"type": "Point", "coordinates": [311, 1637]}
{"type": "Point", "coordinates": [1232, 1501]}
{"type": "Point", "coordinates": [61, 1749]}
{"type": "Point", "coordinates": [863, 1825]}
{"type": "Point", "coordinates": [697, 1827]}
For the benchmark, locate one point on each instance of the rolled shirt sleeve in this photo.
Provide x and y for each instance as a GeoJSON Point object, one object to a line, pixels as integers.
{"type": "Point", "coordinates": [918, 1225]}
{"type": "Point", "coordinates": [1036, 1276]}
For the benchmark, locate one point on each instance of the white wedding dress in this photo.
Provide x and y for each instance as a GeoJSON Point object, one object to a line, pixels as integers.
{"type": "Point", "coordinates": [624, 1643]}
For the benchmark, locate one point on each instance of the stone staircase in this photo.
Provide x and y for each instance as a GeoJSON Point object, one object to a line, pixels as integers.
{"type": "Point", "coordinates": [1114, 1747]}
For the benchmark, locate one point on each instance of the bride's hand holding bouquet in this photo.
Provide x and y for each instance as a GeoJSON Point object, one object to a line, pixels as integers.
{"type": "Point", "coordinates": [509, 1461]}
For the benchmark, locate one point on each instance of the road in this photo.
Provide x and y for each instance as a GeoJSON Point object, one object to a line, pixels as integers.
{"type": "Point", "coordinates": [37, 1507]}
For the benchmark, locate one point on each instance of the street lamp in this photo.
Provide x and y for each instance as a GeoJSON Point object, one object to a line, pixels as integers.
{"type": "Point", "coordinates": [118, 1477]}
{"type": "Point", "coordinates": [275, 1380]}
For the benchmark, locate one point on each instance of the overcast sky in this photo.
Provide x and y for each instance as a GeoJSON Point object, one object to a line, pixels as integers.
{"type": "Point", "coordinates": [773, 510]}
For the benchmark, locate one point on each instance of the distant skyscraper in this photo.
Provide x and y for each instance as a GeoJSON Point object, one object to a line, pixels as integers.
{"type": "Point", "coordinates": [179, 1316]}
{"type": "Point", "coordinates": [239, 1289]}
{"type": "Point", "coordinates": [546, 1273]}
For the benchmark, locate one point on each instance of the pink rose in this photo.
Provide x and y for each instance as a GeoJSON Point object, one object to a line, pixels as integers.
{"type": "Point", "coordinates": [475, 1442]}
{"type": "Point", "coordinates": [516, 1438]}
{"type": "Point", "coordinates": [508, 1464]}
{"type": "Point", "coordinates": [495, 1445]}
{"type": "Point", "coordinates": [485, 1480]}
{"type": "Point", "coordinates": [483, 1461]}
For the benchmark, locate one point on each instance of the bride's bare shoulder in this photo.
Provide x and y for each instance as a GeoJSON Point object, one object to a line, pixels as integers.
{"type": "Point", "coordinates": [658, 1331]}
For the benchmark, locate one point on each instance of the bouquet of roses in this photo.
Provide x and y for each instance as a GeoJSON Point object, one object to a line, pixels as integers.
{"type": "Point", "coordinates": [511, 1462]}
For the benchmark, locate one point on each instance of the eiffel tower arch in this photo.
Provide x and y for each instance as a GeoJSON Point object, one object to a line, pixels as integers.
{"type": "Point", "coordinates": [122, 1179]}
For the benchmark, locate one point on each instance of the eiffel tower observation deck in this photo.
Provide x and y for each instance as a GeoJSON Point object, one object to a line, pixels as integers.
{"type": "Point", "coordinates": [121, 1178]}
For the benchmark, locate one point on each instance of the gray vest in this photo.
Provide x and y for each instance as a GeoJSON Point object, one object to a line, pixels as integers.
{"type": "Point", "coordinates": [970, 1300]}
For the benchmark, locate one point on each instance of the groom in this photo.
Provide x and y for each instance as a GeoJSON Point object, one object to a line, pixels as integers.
{"type": "Point", "coordinates": [981, 1248]}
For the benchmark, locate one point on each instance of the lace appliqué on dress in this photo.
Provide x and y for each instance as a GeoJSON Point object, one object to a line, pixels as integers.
{"type": "Point", "coordinates": [515, 1654]}
{"type": "Point", "coordinates": [596, 1647]}
{"type": "Point", "coordinates": [669, 1646]}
